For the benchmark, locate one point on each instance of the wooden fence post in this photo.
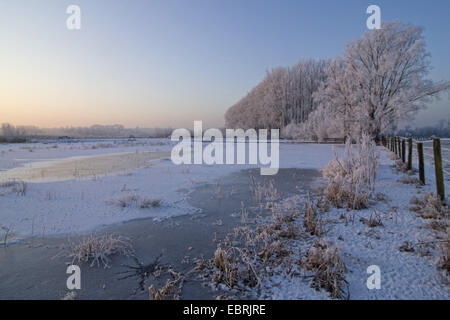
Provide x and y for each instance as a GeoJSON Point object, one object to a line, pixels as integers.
{"type": "Point", "coordinates": [440, 188]}
{"type": "Point", "coordinates": [421, 163]}
{"type": "Point", "coordinates": [410, 149]}
{"type": "Point", "coordinates": [396, 145]}
{"type": "Point", "coordinates": [403, 150]}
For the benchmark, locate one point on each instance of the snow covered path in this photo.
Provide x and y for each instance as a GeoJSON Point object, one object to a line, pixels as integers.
{"type": "Point", "coordinates": [404, 275]}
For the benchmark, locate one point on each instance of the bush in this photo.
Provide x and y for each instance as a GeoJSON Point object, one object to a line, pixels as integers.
{"type": "Point", "coordinates": [351, 180]}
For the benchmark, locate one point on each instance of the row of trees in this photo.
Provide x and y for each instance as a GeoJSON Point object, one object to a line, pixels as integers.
{"type": "Point", "coordinates": [9, 132]}
{"type": "Point", "coordinates": [285, 95]}
{"type": "Point", "coordinates": [441, 129]}
{"type": "Point", "coordinates": [379, 81]}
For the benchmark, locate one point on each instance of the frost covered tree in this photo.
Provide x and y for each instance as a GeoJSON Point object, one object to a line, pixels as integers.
{"type": "Point", "coordinates": [380, 80]}
{"type": "Point", "coordinates": [284, 96]}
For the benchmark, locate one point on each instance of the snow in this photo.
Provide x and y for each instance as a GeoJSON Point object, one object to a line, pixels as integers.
{"type": "Point", "coordinates": [81, 205]}
{"type": "Point", "coordinates": [75, 203]}
{"type": "Point", "coordinates": [404, 275]}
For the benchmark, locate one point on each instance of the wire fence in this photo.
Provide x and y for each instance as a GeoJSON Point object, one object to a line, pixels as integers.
{"type": "Point", "coordinates": [424, 154]}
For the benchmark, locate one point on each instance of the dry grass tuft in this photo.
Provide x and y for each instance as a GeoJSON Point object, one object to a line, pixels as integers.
{"type": "Point", "coordinates": [136, 201]}
{"type": "Point", "coordinates": [149, 203]}
{"type": "Point", "coordinates": [312, 224]}
{"type": "Point", "coordinates": [400, 166]}
{"type": "Point", "coordinates": [171, 290]}
{"type": "Point", "coordinates": [227, 267]}
{"type": "Point", "coordinates": [322, 204]}
{"type": "Point", "coordinates": [381, 197]}
{"type": "Point", "coordinates": [409, 180]}
{"type": "Point", "coordinates": [329, 268]}
{"type": "Point", "coordinates": [218, 191]}
{"type": "Point", "coordinates": [71, 295]}
{"type": "Point", "coordinates": [439, 225]}
{"type": "Point", "coordinates": [99, 249]}
{"type": "Point", "coordinates": [18, 187]}
{"type": "Point", "coordinates": [341, 195]}
{"type": "Point", "coordinates": [444, 260]}
{"type": "Point", "coordinates": [430, 207]}
{"type": "Point", "coordinates": [264, 191]}
{"type": "Point", "coordinates": [407, 247]}
{"type": "Point", "coordinates": [374, 220]}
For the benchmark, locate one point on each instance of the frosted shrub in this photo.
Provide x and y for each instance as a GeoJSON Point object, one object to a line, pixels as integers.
{"type": "Point", "coordinates": [352, 178]}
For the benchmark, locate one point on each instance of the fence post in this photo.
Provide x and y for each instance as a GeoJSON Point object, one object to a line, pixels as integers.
{"type": "Point", "coordinates": [403, 150]}
{"type": "Point", "coordinates": [410, 149]}
{"type": "Point", "coordinates": [440, 188]}
{"type": "Point", "coordinates": [399, 147]}
{"type": "Point", "coordinates": [421, 163]}
{"type": "Point", "coordinates": [396, 145]}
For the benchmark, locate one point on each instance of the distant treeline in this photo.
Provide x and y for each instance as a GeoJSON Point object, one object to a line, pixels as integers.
{"type": "Point", "coordinates": [441, 130]}
{"type": "Point", "coordinates": [10, 133]}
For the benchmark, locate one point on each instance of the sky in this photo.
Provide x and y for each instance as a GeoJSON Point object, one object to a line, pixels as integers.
{"type": "Point", "coordinates": [166, 63]}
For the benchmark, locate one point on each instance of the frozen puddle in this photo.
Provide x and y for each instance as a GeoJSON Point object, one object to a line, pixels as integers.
{"type": "Point", "coordinates": [82, 167]}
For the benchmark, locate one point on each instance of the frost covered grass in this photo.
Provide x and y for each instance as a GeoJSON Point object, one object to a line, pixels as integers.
{"type": "Point", "coordinates": [98, 249]}
{"type": "Point", "coordinates": [136, 201]}
{"type": "Point", "coordinates": [374, 220]}
{"type": "Point", "coordinates": [253, 251]}
{"type": "Point", "coordinates": [171, 289]}
{"type": "Point", "coordinates": [18, 187]}
{"type": "Point", "coordinates": [351, 179]}
{"type": "Point", "coordinates": [329, 269]}
{"type": "Point", "coordinates": [311, 222]}
{"type": "Point", "coordinates": [253, 254]}
{"type": "Point", "coordinates": [263, 191]}
{"type": "Point", "coordinates": [437, 214]}
{"type": "Point", "coordinates": [430, 206]}
{"type": "Point", "coordinates": [444, 260]}
{"type": "Point", "coordinates": [409, 180]}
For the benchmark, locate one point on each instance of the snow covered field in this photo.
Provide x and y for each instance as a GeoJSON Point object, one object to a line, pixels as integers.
{"type": "Point", "coordinates": [79, 201]}
{"type": "Point", "coordinates": [72, 187]}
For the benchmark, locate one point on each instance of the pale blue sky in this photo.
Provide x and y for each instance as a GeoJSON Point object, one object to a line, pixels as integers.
{"type": "Point", "coordinates": [167, 63]}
